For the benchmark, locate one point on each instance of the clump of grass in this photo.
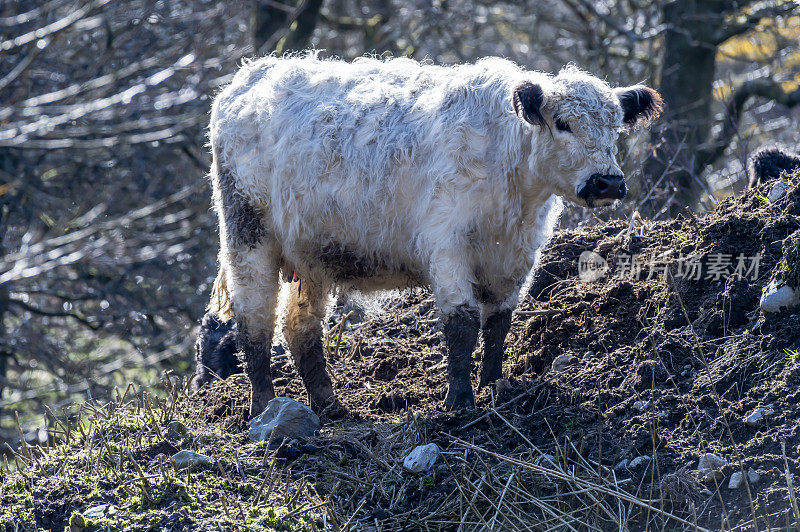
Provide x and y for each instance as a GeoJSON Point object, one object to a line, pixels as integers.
{"type": "Point", "coordinates": [117, 454]}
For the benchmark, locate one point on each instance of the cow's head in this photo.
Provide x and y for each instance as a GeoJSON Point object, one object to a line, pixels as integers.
{"type": "Point", "coordinates": [576, 119]}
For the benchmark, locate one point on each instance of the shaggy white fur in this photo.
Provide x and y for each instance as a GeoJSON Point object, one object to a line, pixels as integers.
{"type": "Point", "coordinates": [388, 173]}
{"type": "Point", "coordinates": [424, 171]}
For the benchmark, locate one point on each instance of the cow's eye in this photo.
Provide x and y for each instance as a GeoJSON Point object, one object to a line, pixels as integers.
{"type": "Point", "coordinates": [562, 126]}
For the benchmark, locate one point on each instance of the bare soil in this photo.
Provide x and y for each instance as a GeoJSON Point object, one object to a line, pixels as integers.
{"type": "Point", "coordinates": [652, 363]}
{"type": "Point", "coordinates": [665, 365]}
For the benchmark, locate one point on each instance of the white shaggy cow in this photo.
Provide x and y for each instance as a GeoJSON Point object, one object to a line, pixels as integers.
{"type": "Point", "coordinates": [377, 174]}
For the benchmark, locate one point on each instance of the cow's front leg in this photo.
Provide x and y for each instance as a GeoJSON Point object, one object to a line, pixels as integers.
{"type": "Point", "coordinates": [494, 331]}
{"type": "Point", "coordinates": [461, 333]}
{"type": "Point", "coordinates": [452, 285]}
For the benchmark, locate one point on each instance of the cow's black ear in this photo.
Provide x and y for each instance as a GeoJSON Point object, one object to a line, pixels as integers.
{"type": "Point", "coordinates": [640, 104]}
{"type": "Point", "coordinates": [528, 101]}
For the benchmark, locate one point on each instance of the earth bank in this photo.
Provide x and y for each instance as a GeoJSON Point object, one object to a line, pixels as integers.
{"type": "Point", "coordinates": [619, 380]}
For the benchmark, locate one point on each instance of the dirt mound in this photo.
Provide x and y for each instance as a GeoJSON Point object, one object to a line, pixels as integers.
{"type": "Point", "coordinates": [663, 352]}
{"type": "Point", "coordinates": [671, 349]}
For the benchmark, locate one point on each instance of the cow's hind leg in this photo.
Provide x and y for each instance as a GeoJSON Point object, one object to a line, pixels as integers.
{"type": "Point", "coordinates": [253, 283]}
{"type": "Point", "coordinates": [303, 331]}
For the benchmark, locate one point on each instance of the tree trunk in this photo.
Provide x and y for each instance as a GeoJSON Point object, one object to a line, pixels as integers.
{"type": "Point", "coordinates": [687, 82]}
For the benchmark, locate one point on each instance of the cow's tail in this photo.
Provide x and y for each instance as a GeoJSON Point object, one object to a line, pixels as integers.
{"type": "Point", "coordinates": [220, 303]}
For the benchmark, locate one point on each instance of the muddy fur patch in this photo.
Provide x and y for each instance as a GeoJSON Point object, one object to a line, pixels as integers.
{"type": "Point", "coordinates": [461, 332]}
{"type": "Point", "coordinates": [344, 264]}
{"type": "Point", "coordinates": [243, 223]}
{"type": "Point", "coordinates": [255, 353]}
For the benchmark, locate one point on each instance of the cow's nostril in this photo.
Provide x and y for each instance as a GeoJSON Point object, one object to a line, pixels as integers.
{"type": "Point", "coordinates": [605, 187]}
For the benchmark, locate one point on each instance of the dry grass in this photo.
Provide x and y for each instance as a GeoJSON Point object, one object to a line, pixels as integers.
{"type": "Point", "coordinates": [349, 478]}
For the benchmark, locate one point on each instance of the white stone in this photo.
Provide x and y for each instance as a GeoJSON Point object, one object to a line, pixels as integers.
{"type": "Point", "coordinates": [562, 362]}
{"type": "Point", "coordinates": [641, 406]}
{"type": "Point", "coordinates": [284, 418]}
{"type": "Point", "coordinates": [756, 416]}
{"type": "Point", "coordinates": [736, 480]}
{"type": "Point", "coordinates": [753, 476]}
{"type": "Point", "coordinates": [639, 460]}
{"type": "Point", "coordinates": [185, 459]}
{"type": "Point", "coordinates": [422, 458]}
{"type": "Point", "coordinates": [710, 461]}
{"type": "Point", "coordinates": [778, 190]}
{"type": "Point", "coordinates": [778, 297]}
{"type": "Point", "coordinates": [101, 510]}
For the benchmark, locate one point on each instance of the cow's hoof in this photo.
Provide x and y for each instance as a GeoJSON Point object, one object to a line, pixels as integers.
{"type": "Point", "coordinates": [459, 397]}
{"type": "Point", "coordinates": [489, 376]}
{"type": "Point", "coordinates": [330, 409]}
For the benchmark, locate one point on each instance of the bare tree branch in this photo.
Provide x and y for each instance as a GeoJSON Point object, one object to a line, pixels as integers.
{"type": "Point", "coordinates": [762, 88]}
{"type": "Point", "coordinates": [745, 22]}
{"type": "Point", "coordinates": [50, 29]}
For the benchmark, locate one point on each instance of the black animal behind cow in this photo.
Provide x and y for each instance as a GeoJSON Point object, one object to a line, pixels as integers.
{"type": "Point", "coordinates": [215, 348]}
{"type": "Point", "coordinates": [215, 351]}
{"type": "Point", "coordinates": [769, 163]}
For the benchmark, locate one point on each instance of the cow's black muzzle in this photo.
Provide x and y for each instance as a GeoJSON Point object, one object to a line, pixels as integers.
{"type": "Point", "coordinates": [602, 188]}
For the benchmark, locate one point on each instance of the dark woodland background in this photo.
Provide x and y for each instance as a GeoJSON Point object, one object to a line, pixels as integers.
{"type": "Point", "coordinates": [107, 241]}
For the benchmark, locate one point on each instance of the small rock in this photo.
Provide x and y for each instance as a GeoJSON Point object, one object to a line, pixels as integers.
{"type": "Point", "coordinates": [284, 418]}
{"type": "Point", "coordinates": [421, 458]}
{"type": "Point", "coordinates": [778, 190]}
{"type": "Point", "coordinates": [756, 416]}
{"type": "Point", "coordinates": [639, 460]}
{"type": "Point", "coordinates": [562, 362]}
{"type": "Point", "coordinates": [752, 476]}
{"type": "Point", "coordinates": [641, 406]}
{"type": "Point", "coordinates": [175, 430]}
{"type": "Point", "coordinates": [96, 512]}
{"type": "Point", "coordinates": [622, 465]}
{"type": "Point", "coordinates": [779, 296]}
{"type": "Point", "coordinates": [187, 459]}
{"type": "Point", "coordinates": [736, 480]}
{"type": "Point", "coordinates": [710, 461]}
